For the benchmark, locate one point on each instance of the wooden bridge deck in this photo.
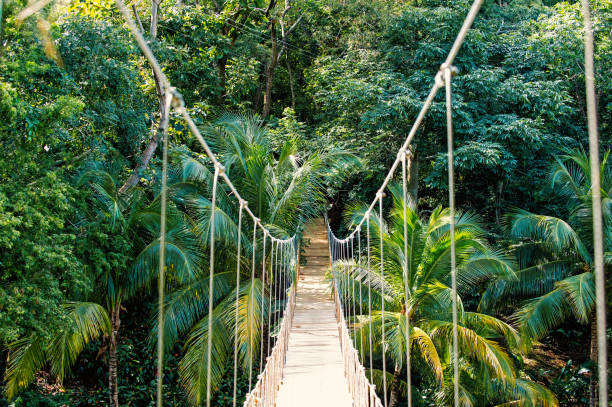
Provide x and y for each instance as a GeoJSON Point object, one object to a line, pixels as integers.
{"type": "Point", "coordinates": [314, 372]}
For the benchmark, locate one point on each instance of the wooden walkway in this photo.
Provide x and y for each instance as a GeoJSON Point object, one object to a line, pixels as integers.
{"type": "Point", "coordinates": [314, 372]}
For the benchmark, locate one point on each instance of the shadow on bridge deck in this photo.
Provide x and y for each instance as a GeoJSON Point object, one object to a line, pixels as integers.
{"type": "Point", "coordinates": [314, 372]}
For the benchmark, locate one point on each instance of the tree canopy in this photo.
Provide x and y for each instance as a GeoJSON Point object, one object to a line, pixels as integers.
{"type": "Point", "coordinates": [305, 103]}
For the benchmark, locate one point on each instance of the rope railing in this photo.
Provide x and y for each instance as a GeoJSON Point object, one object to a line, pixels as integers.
{"type": "Point", "coordinates": [273, 371]}
{"type": "Point", "coordinates": [443, 79]}
{"type": "Point", "coordinates": [361, 389]}
{"type": "Point", "coordinates": [265, 390]}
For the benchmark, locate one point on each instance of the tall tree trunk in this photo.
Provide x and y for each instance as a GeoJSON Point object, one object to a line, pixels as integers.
{"type": "Point", "coordinates": [270, 73]}
{"type": "Point", "coordinates": [154, 18]}
{"type": "Point", "coordinates": [412, 169]}
{"type": "Point", "coordinates": [593, 356]}
{"type": "Point", "coordinates": [395, 387]}
{"type": "Point", "coordinates": [277, 54]}
{"type": "Point", "coordinates": [291, 84]}
{"type": "Point", "coordinates": [221, 68]}
{"type": "Point", "coordinates": [498, 201]}
{"type": "Point", "coordinates": [112, 356]}
{"type": "Point", "coordinates": [149, 150]}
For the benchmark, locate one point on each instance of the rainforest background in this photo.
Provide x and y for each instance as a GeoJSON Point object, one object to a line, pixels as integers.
{"type": "Point", "coordinates": [79, 117]}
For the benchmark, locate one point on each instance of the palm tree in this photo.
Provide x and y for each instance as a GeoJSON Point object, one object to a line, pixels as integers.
{"type": "Point", "coordinates": [85, 322]}
{"type": "Point", "coordinates": [555, 254]}
{"type": "Point", "coordinates": [284, 191]}
{"type": "Point", "coordinates": [117, 224]}
{"type": "Point", "coordinates": [487, 372]}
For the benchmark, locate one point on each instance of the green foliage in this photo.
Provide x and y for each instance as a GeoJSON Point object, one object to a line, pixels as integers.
{"type": "Point", "coordinates": [555, 252]}
{"type": "Point", "coordinates": [418, 287]}
{"type": "Point", "coordinates": [33, 398]}
{"type": "Point", "coordinates": [572, 384]}
{"type": "Point", "coordinates": [99, 57]}
{"type": "Point", "coordinates": [72, 126]}
{"type": "Point", "coordinates": [86, 321]}
{"type": "Point", "coordinates": [513, 105]}
{"type": "Point", "coordinates": [39, 265]}
{"type": "Point", "coordinates": [287, 128]}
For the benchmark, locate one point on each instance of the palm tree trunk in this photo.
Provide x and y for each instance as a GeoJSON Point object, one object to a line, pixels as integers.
{"type": "Point", "coordinates": [112, 357]}
{"type": "Point", "coordinates": [395, 387]}
{"type": "Point", "coordinates": [593, 357]}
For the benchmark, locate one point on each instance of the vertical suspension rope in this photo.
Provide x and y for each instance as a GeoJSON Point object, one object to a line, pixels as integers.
{"type": "Point", "coordinates": [382, 302]}
{"type": "Point", "coordinates": [254, 244]}
{"type": "Point", "coordinates": [346, 280]}
{"type": "Point", "coordinates": [342, 282]}
{"type": "Point", "coordinates": [238, 256]}
{"type": "Point", "coordinates": [354, 315]}
{"type": "Point", "coordinates": [333, 250]}
{"type": "Point", "coordinates": [291, 264]}
{"type": "Point", "coordinates": [162, 254]}
{"type": "Point", "coordinates": [280, 283]}
{"type": "Point", "coordinates": [360, 293]}
{"type": "Point", "coordinates": [270, 283]}
{"type": "Point", "coordinates": [598, 239]}
{"type": "Point", "coordinates": [277, 284]}
{"type": "Point", "coordinates": [369, 297]}
{"type": "Point", "coordinates": [263, 297]}
{"type": "Point", "coordinates": [406, 283]}
{"type": "Point", "coordinates": [211, 272]}
{"type": "Point", "coordinates": [451, 205]}
{"type": "Point", "coordinates": [285, 276]}
{"type": "Point", "coordinates": [281, 296]}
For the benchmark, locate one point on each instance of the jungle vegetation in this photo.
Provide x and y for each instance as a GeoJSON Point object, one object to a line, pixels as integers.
{"type": "Point", "coordinates": [306, 103]}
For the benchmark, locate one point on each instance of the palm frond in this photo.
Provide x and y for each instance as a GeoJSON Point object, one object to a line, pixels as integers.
{"type": "Point", "coordinates": [523, 392]}
{"type": "Point", "coordinates": [88, 322]}
{"type": "Point", "coordinates": [539, 315]}
{"type": "Point", "coordinates": [193, 367]}
{"type": "Point", "coordinates": [484, 265]}
{"type": "Point", "coordinates": [555, 232]}
{"type": "Point", "coordinates": [580, 290]}
{"type": "Point", "coordinates": [475, 347]}
{"type": "Point", "coordinates": [186, 305]}
{"type": "Point", "coordinates": [183, 259]}
{"type": "Point", "coordinates": [425, 345]}
{"type": "Point", "coordinates": [531, 281]}
{"type": "Point", "coordinates": [26, 357]}
{"type": "Point", "coordinates": [489, 326]}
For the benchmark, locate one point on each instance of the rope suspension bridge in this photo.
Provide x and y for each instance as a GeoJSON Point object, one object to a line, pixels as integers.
{"type": "Point", "coordinates": [305, 356]}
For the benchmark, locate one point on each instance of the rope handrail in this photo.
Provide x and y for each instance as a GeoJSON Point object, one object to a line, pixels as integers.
{"type": "Point", "coordinates": [173, 99]}
{"type": "Point", "coordinates": [442, 78]}
{"type": "Point", "coordinates": [179, 106]}
{"type": "Point", "coordinates": [266, 388]}
{"type": "Point", "coordinates": [362, 390]}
